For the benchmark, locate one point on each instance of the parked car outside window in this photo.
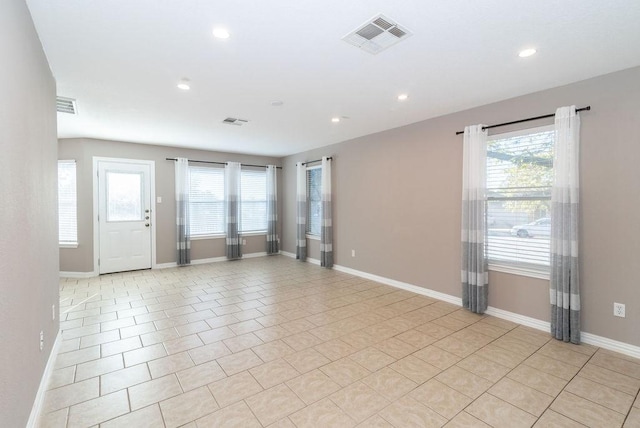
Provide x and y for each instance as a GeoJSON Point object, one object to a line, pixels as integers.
{"type": "Point", "coordinates": [540, 227]}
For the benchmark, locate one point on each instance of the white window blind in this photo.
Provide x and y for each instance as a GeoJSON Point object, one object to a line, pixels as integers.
{"type": "Point", "coordinates": [206, 200]}
{"type": "Point", "coordinates": [253, 201]}
{"type": "Point", "coordinates": [314, 205]}
{"type": "Point", "coordinates": [519, 180]}
{"type": "Point", "coordinates": [67, 203]}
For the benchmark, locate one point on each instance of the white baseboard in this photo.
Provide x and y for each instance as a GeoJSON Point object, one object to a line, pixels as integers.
{"type": "Point", "coordinates": [587, 338]}
{"type": "Point", "coordinates": [519, 319]}
{"type": "Point", "coordinates": [287, 254]}
{"type": "Point", "coordinates": [253, 255]}
{"type": "Point", "coordinates": [403, 285]}
{"type": "Point", "coordinates": [78, 275]}
{"type": "Point", "coordinates": [309, 259]}
{"type": "Point", "coordinates": [209, 260]}
{"type": "Point", "coordinates": [44, 382]}
{"type": "Point", "coordinates": [610, 344]}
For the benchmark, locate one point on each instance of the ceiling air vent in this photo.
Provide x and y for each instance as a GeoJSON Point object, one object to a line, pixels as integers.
{"type": "Point", "coordinates": [234, 121]}
{"type": "Point", "coordinates": [66, 105]}
{"type": "Point", "coordinates": [377, 34]}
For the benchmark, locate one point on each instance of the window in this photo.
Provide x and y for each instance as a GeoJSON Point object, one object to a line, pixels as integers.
{"type": "Point", "coordinates": [314, 200]}
{"type": "Point", "coordinates": [67, 203]}
{"type": "Point", "coordinates": [206, 201]}
{"type": "Point", "coordinates": [253, 201]}
{"type": "Point", "coordinates": [519, 180]}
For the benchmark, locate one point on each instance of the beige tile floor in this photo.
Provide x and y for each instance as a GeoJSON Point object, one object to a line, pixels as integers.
{"type": "Point", "coordinates": [275, 342]}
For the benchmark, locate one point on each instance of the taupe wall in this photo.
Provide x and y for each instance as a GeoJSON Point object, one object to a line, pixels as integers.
{"type": "Point", "coordinates": [83, 150]}
{"type": "Point", "coordinates": [397, 202]}
{"type": "Point", "coordinates": [28, 213]}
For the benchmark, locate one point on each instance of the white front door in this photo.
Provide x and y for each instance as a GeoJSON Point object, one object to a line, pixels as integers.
{"type": "Point", "coordinates": [124, 216]}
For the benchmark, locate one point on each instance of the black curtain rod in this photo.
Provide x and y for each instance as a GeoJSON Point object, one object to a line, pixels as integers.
{"type": "Point", "coordinates": [222, 163]}
{"type": "Point", "coordinates": [526, 120]}
{"type": "Point", "coordinates": [314, 161]}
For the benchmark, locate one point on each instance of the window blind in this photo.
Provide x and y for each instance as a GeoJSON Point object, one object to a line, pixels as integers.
{"type": "Point", "coordinates": [314, 195]}
{"type": "Point", "coordinates": [206, 200]}
{"type": "Point", "coordinates": [519, 180]}
{"type": "Point", "coordinates": [67, 202]}
{"type": "Point", "coordinates": [253, 201]}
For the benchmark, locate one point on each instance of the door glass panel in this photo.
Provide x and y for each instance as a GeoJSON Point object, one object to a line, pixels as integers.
{"type": "Point", "coordinates": [124, 196]}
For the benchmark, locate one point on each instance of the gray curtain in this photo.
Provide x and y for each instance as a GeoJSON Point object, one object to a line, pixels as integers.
{"type": "Point", "coordinates": [182, 211]}
{"type": "Point", "coordinates": [272, 210]}
{"type": "Point", "coordinates": [301, 211]}
{"type": "Point", "coordinates": [475, 277]}
{"type": "Point", "coordinates": [326, 227]}
{"type": "Point", "coordinates": [565, 285]}
{"type": "Point", "coordinates": [232, 210]}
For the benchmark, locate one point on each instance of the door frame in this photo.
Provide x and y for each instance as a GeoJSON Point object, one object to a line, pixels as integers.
{"type": "Point", "coordinates": [96, 207]}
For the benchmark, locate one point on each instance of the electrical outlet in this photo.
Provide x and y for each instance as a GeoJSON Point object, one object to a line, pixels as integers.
{"type": "Point", "coordinates": [618, 310]}
{"type": "Point", "coordinates": [41, 340]}
{"type": "Point", "coordinates": [244, 242]}
{"type": "Point", "coordinates": [353, 253]}
{"type": "Point", "coordinates": [53, 312]}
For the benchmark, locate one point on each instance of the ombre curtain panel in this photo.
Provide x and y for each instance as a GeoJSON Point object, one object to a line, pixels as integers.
{"type": "Point", "coordinates": [326, 227]}
{"type": "Point", "coordinates": [272, 210]}
{"type": "Point", "coordinates": [232, 210]}
{"type": "Point", "coordinates": [301, 211]}
{"type": "Point", "coordinates": [565, 282]}
{"type": "Point", "coordinates": [182, 211]}
{"type": "Point", "coordinates": [474, 272]}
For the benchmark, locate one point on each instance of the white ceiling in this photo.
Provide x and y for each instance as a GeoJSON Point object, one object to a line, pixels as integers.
{"type": "Point", "coordinates": [122, 59]}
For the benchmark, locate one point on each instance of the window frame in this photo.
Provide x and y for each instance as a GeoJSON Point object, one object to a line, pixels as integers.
{"type": "Point", "coordinates": [74, 243]}
{"type": "Point", "coordinates": [257, 231]}
{"type": "Point", "coordinates": [214, 235]}
{"type": "Point", "coordinates": [531, 270]}
{"type": "Point", "coordinates": [308, 222]}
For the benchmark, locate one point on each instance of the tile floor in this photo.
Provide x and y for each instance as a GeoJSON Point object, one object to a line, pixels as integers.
{"type": "Point", "coordinates": [275, 342]}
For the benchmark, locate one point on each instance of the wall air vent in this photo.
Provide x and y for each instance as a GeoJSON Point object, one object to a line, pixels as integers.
{"type": "Point", "coordinates": [66, 105]}
{"type": "Point", "coordinates": [377, 34]}
{"type": "Point", "coordinates": [234, 121]}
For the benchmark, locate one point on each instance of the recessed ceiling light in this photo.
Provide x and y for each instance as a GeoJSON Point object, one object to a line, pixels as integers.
{"type": "Point", "coordinates": [277, 103]}
{"type": "Point", "coordinates": [220, 33]}
{"type": "Point", "coordinates": [335, 119]}
{"type": "Point", "coordinates": [184, 84]}
{"type": "Point", "coordinates": [527, 52]}
{"type": "Point", "coordinates": [402, 97]}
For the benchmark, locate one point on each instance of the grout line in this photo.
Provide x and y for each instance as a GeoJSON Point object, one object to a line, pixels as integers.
{"type": "Point", "coordinates": [75, 306]}
{"type": "Point", "coordinates": [165, 288]}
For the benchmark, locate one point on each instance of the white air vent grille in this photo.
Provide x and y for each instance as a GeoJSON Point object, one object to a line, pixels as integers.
{"type": "Point", "coordinates": [234, 121]}
{"type": "Point", "coordinates": [397, 32]}
{"type": "Point", "coordinates": [369, 32]}
{"type": "Point", "coordinates": [66, 105]}
{"type": "Point", "coordinates": [382, 23]}
{"type": "Point", "coordinates": [377, 34]}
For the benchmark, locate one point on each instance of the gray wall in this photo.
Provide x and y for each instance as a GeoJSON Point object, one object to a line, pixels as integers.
{"type": "Point", "coordinates": [397, 202]}
{"type": "Point", "coordinates": [28, 213]}
{"type": "Point", "coordinates": [83, 150]}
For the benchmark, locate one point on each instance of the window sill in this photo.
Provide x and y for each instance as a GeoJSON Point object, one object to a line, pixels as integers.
{"type": "Point", "coordinates": [519, 270]}
{"type": "Point", "coordinates": [200, 237]}
{"type": "Point", "coordinates": [314, 237]}
{"type": "Point", "coordinates": [222, 236]}
{"type": "Point", "coordinates": [257, 233]}
{"type": "Point", "coordinates": [68, 245]}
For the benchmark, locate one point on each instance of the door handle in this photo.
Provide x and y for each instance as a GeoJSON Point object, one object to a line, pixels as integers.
{"type": "Point", "coordinates": [146, 217]}
{"type": "Point", "coordinates": [146, 224]}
